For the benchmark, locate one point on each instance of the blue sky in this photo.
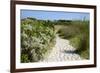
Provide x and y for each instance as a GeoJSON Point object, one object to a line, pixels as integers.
{"type": "Point", "coordinates": [53, 15]}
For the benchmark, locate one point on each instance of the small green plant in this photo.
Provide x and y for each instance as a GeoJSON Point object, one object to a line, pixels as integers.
{"type": "Point", "coordinates": [24, 58]}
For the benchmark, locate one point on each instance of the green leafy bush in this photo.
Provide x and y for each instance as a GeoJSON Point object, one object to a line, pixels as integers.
{"type": "Point", "coordinates": [37, 36]}
{"type": "Point", "coordinates": [24, 58]}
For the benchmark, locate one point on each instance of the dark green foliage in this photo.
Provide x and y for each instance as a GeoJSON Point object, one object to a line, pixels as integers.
{"type": "Point", "coordinates": [62, 22]}
{"type": "Point", "coordinates": [24, 58]}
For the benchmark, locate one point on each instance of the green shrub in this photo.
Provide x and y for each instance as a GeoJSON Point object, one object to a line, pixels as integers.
{"type": "Point", "coordinates": [36, 38]}
{"type": "Point", "coordinates": [24, 58]}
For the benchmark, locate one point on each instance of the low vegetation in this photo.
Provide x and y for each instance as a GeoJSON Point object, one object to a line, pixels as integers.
{"type": "Point", "coordinates": [78, 34]}
{"type": "Point", "coordinates": [38, 37]}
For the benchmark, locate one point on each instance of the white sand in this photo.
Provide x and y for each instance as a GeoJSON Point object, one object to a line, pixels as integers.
{"type": "Point", "coordinates": [62, 51]}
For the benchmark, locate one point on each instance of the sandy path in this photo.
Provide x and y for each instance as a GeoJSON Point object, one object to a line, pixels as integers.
{"type": "Point", "coordinates": [62, 51]}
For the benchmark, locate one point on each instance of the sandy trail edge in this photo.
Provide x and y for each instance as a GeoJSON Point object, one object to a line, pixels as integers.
{"type": "Point", "coordinates": [62, 51]}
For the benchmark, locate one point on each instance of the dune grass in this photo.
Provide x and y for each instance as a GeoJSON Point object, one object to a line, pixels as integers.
{"type": "Point", "coordinates": [78, 34]}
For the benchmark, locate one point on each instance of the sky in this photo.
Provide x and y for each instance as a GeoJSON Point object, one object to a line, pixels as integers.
{"type": "Point", "coordinates": [54, 15]}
